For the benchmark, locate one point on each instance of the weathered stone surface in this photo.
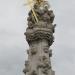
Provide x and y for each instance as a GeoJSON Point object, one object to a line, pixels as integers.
{"type": "Point", "coordinates": [33, 50]}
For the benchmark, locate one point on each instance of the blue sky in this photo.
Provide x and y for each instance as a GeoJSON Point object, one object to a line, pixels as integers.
{"type": "Point", "coordinates": [13, 45]}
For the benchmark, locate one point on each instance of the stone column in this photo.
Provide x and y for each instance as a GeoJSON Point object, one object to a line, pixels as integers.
{"type": "Point", "coordinates": [39, 36]}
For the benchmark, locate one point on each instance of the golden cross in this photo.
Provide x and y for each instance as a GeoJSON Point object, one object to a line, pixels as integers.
{"type": "Point", "coordinates": [34, 14]}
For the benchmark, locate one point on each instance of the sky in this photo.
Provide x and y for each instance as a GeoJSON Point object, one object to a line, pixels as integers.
{"type": "Point", "coordinates": [13, 45]}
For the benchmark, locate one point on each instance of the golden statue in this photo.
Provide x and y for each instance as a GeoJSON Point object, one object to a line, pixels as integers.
{"type": "Point", "coordinates": [39, 3]}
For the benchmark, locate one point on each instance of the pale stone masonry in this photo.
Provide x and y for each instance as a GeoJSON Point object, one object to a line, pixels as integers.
{"type": "Point", "coordinates": [39, 36]}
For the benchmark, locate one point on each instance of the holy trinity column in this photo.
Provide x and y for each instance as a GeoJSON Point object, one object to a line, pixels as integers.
{"type": "Point", "coordinates": [39, 35]}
